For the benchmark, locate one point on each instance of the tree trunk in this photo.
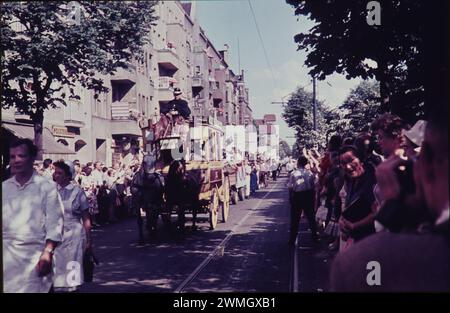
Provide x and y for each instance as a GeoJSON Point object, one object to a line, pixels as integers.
{"type": "Point", "coordinates": [384, 86]}
{"type": "Point", "coordinates": [384, 54]}
{"type": "Point", "coordinates": [38, 125]}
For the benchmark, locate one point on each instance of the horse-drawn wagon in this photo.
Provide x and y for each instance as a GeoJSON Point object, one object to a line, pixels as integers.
{"type": "Point", "coordinates": [201, 172]}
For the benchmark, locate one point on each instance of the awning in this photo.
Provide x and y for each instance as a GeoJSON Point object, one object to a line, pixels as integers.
{"type": "Point", "coordinates": [49, 145]}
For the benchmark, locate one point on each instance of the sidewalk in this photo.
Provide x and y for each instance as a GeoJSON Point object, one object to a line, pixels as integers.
{"type": "Point", "coordinates": [313, 262]}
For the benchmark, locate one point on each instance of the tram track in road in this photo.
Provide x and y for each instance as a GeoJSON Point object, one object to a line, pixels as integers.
{"type": "Point", "coordinates": [220, 247]}
{"type": "Point", "coordinates": [294, 281]}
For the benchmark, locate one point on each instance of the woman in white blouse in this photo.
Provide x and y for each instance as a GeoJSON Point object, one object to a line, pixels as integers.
{"type": "Point", "coordinates": [77, 227]}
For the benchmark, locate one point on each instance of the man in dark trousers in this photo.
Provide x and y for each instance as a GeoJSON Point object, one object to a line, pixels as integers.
{"type": "Point", "coordinates": [301, 194]}
{"type": "Point", "coordinates": [177, 106]}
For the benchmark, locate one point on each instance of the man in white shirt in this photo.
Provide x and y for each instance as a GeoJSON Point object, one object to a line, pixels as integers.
{"type": "Point", "coordinates": [97, 174]}
{"type": "Point", "coordinates": [273, 167]}
{"type": "Point", "coordinates": [248, 171]}
{"type": "Point", "coordinates": [47, 169]}
{"type": "Point", "coordinates": [32, 216]}
{"type": "Point", "coordinates": [301, 186]}
{"type": "Point", "coordinates": [289, 167]}
{"type": "Point", "coordinates": [263, 174]}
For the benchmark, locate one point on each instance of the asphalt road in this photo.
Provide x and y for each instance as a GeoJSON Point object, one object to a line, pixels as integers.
{"type": "Point", "coordinates": [248, 253]}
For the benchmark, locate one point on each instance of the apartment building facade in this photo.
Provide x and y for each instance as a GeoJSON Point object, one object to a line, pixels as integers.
{"type": "Point", "coordinates": [107, 127]}
{"type": "Point", "coordinates": [268, 136]}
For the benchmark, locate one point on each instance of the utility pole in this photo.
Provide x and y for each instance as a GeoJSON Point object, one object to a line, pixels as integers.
{"type": "Point", "coordinates": [314, 104]}
{"type": "Point", "coordinates": [239, 57]}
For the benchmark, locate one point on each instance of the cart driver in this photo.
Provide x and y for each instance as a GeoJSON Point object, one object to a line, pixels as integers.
{"type": "Point", "coordinates": [177, 106]}
{"type": "Point", "coordinates": [178, 112]}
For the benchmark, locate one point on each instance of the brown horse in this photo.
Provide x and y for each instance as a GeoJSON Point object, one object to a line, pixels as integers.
{"type": "Point", "coordinates": [165, 125]}
{"type": "Point", "coordinates": [147, 188]}
{"type": "Point", "coordinates": [182, 191]}
{"type": "Point", "coordinates": [161, 128]}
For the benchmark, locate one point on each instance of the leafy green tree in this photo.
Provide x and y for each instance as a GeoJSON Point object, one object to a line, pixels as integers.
{"type": "Point", "coordinates": [341, 41]}
{"type": "Point", "coordinates": [296, 151]}
{"type": "Point", "coordinates": [298, 114]}
{"type": "Point", "coordinates": [360, 108]}
{"type": "Point", "coordinates": [285, 149]}
{"type": "Point", "coordinates": [44, 53]}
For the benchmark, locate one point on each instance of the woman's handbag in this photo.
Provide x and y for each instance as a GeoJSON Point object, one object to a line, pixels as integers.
{"type": "Point", "coordinates": [89, 262]}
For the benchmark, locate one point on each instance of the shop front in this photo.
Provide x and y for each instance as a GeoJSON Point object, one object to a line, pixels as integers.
{"type": "Point", "coordinates": [52, 148]}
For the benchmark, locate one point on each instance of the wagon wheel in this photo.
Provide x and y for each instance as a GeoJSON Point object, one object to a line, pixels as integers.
{"type": "Point", "coordinates": [213, 210]}
{"type": "Point", "coordinates": [226, 200]}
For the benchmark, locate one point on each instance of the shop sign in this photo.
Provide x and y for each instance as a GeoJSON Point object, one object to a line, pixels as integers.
{"type": "Point", "coordinates": [59, 131]}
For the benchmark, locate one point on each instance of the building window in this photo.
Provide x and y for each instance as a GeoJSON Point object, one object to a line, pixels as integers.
{"type": "Point", "coordinates": [139, 102]}
{"type": "Point", "coordinates": [149, 62]}
{"type": "Point", "coordinates": [146, 63]}
{"type": "Point", "coordinates": [79, 144]}
{"type": "Point", "coordinates": [74, 130]}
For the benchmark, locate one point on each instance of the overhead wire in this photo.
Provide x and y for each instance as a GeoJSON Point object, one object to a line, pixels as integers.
{"type": "Point", "coordinates": [262, 42]}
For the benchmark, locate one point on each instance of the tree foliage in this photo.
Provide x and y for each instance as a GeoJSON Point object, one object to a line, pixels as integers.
{"type": "Point", "coordinates": [43, 55]}
{"type": "Point", "coordinates": [354, 115]}
{"type": "Point", "coordinates": [360, 108]}
{"type": "Point", "coordinates": [298, 114]}
{"type": "Point", "coordinates": [341, 41]}
{"type": "Point", "coordinates": [285, 149]}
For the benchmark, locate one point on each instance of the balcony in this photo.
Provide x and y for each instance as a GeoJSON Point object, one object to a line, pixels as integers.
{"type": "Point", "coordinates": [166, 82]}
{"type": "Point", "coordinates": [198, 83]}
{"type": "Point", "coordinates": [220, 75]}
{"type": "Point", "coordinates": [165, 88]}
{"type": "Point", "coordinates": [243, 99]}
{"type": "Point", "coordinates": [125, 128]}
{"type": "Point", "coordinates": [124, 116]}
{"type": "Point", "coordinates": [218, 95]}
{"type": "Point", "coordinates": [74, 114]}
{"type": "Point", "coordinates": [197, 112]}
{"type": "Point", "coordinates": [199, 49]}
{"type": "Point", "coordinates": [127, 75]}
{"type": "Point", "coordinates": [229, 77]}
{"type": "Point", "coordinates": [123, 110]}
{"type": "Point", "coordinates": [168, 58]}
{"type": "Point", "coordinates": [74, 123]}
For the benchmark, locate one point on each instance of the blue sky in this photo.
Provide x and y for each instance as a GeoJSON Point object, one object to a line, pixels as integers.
{"type": "Point", "coordinates": [224, 21]}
